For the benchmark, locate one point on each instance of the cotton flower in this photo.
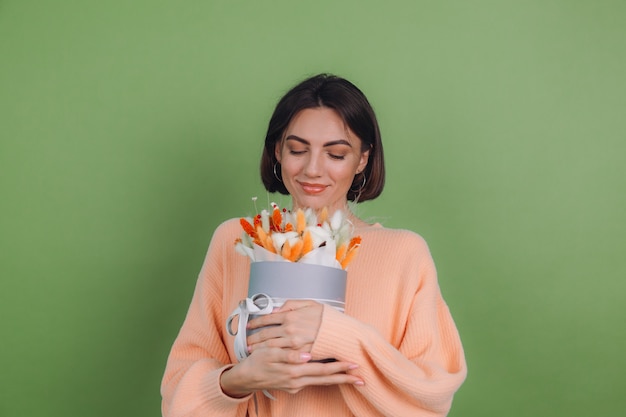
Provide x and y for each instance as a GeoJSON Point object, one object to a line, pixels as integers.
{"type": "Point", "coordinates": [279, 239]}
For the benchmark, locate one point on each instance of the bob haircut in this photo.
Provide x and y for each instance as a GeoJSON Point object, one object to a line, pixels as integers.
{"type": "Point", "coordinates": [330, 91]}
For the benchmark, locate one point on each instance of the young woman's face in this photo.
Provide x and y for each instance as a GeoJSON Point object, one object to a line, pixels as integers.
{"type": "Point", "coordinates": [319, 157]}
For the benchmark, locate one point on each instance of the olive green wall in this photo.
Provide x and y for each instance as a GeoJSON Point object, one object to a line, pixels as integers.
{"type": "Point", "coordinates": [130, 129]}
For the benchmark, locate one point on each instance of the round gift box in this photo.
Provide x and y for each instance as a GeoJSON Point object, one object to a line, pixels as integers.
{"type": "Point", "coordinates": [284, 281]}
{"type": "Point", "coordinates": [292, 280]}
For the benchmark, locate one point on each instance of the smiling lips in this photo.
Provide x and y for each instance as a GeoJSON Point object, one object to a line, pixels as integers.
{"type": "Point", "coordinates": [312, 188]}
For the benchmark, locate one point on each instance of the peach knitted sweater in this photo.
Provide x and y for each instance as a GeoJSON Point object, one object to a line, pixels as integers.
{"type": "Point", "coordinates": [396, 326]}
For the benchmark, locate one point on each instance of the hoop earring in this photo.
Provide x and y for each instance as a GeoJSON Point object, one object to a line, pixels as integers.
{"type": "Point", "coordinates": [275, 174]}
{"type": "Point", "coordinates": [358, 190]}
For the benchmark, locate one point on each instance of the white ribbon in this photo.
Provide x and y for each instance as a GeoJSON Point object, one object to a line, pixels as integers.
{"type": "Point", "coordinates": [260, 305]}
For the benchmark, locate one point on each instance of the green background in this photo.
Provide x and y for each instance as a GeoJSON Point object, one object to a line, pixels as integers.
{"type": "Point", "coordinates": [131, 129]}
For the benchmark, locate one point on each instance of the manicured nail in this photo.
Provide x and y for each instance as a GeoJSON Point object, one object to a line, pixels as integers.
{"type": "Point", "coordinates": [359, 383]}
{"type": "Point", "coordinates": [305, 356]}
{"type": "Point", "coordinates": [353, 366]}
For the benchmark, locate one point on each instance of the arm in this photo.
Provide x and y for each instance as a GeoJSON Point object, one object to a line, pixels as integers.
{"type": "Point", "coordinates": [414, 376]}
{"type": "Point", "coordinates": [191, 383]}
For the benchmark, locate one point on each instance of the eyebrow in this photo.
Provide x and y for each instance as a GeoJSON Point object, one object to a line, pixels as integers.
{"type": "Point", "coordinates": [331, 143]}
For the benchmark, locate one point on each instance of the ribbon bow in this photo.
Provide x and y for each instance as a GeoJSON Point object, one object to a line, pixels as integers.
{"type": "Point", "coordinates": [260, 305]}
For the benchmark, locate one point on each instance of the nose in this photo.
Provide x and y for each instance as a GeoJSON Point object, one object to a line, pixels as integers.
{"type": "Point", "coordinates": [313, 167]}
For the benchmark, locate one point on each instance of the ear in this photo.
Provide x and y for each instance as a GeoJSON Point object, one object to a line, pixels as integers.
{"type": "Point", "coordinates": [363, 161]}
{"type": "Point", "coordinates": [277, 150]}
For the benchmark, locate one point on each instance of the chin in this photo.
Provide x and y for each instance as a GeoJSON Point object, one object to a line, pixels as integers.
{"type": "Point", "coordinates": [313, 202]}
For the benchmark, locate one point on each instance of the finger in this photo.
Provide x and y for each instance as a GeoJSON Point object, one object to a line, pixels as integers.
{"type": "Point", "coordinates": [280, 343]}
{"type": "Point", "coordinates": [279, 339]}
{"type": "Point", "coordinates": [295, 335]}
{"type": "Point", "coordinates": [273, 322]}
{"type": "Point", "coordinates": [294, 385]}
{"type": "Point", "coordinates": [326, 373]}
{"type": "Point", "coordinates": [280, 316]}
{"type": "Point", "coordinates": [313, 368]}
{"type": "Point", "coordinates": [297, 357]}
{"type": "Point", "coordinates": [264, 333]}
{"type": "Point", "coordinates": [272, 355]}
{"type": "Point", "coordinates": [286, 356]}
{"type": "Point", "coordinates": [331, 368]}
{"type": "Point", "coordinates": [267, 320]}
{"type": "Point", "coordinates": [295, 304]}
{"type": "Point", "coordinates": [334, 379]}
{"type": "Point", "coordinates": [307, 367]}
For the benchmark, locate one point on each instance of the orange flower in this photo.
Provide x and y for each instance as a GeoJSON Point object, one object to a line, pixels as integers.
{"type": "Point", "coordinates": [277, 219]}
{"type": "Point", "coordinates": [355, 241]}
{"type": "Point", "coordinates": [247, 227]}
{"type": "Point", "coordinates": [300, 221]}
{"type": "Point", "coordinates": [269, 244]}
{"type": "Point", "coordinates": [323, 216]}
{"type": "Point", "coordinates": [286, 250]}
{"type": "Point", "coordinates": [307, 243]}
{"type": "Point", "coordinates": [296, 251]}
{"type": "Point", "coordinates": [261, 234]}
{"type": "Point", "coordinates": [349, 256]}
{"type": "Point", "coordinates": [341, 252]}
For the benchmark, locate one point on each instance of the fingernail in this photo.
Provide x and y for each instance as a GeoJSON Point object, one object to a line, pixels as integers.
{"type": "Point", "coordinates": [249, 349]}
{"type": "Point", "coordinates": [353, 366]}
{"type": "Point", "coordinates": [359, 383]}
{"type": "Point", "coordinates": [305, 356]}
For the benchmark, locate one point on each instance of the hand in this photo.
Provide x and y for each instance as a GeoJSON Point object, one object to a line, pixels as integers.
{"type": "Point", "coordinates": [280, 354]}
{"type": "Point", "coordinates": [283, 369]}
{"type": "Point", "coordinates": [293, 326]}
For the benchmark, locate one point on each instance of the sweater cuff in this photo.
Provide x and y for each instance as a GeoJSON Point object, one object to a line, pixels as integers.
{"type": "Point", "coordinates": [328, 344]}
{"type": "Point", "coordinates": [202, 392]}
{"type": "Point", "coordinates": [214, 389]}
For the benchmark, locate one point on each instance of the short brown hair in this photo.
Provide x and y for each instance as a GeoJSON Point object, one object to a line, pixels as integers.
{"type": "Point", "coordinates": [325, 90]}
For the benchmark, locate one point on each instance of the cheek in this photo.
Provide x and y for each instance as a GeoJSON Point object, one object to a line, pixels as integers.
{"type": "Point", "coordinates": [290, 167]}
{"type": "Point", "coordinates": [343, 174]}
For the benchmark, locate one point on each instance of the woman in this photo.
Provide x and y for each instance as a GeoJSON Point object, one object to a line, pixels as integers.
{"type": "Point", "coordinates": [397, 350]}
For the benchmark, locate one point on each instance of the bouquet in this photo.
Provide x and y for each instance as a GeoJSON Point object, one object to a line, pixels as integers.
{"type": "Point", "coordinates": [295, 255]}
{"type": "Point", "coordinates": [298, 237]}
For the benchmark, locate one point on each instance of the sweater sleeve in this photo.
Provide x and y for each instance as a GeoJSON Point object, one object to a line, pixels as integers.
{"type": "Point", "coordinates": [417, 376]}
{"type": "Point", "coordinates": [191, 382]}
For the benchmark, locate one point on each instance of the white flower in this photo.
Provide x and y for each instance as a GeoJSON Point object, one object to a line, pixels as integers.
{"type": "Point", "coordinates": [319, 235]}
{"type": "Point", "coordinates": [336, 220]}
{"type": "Point", "coordinates": [265, 221]}
{"type": "Point", "coordinates": [279, 239]}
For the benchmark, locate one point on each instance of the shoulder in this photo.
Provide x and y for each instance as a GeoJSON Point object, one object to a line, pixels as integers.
{"type": "Point", "coordinates": [394, 239]}
{"type": "Point", "coordinates": [227, 231]}
{"type": "Point", "coordinates": [400, 255]}
{"type": "Point", "coordinates": [229, 227]}
{"type": "Point", "coordinates": [222, 243]}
